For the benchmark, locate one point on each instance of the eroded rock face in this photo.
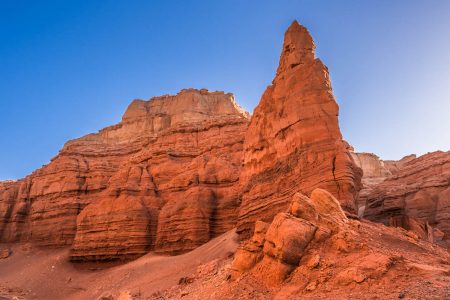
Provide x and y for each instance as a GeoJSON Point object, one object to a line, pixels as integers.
{"type": "Point", "coordinates": [375, 171]}
{"type": "Point", "coordinates": [293, 141]}
{"type": "Point", "coordinates": [279, 251]}
{"type": "Point", "coordinates": [113, 194]}
{"type": "Point", "coordinates": [416, 198]}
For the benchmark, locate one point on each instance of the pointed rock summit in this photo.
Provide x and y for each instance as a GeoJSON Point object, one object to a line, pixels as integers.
{"type": "Point", "coordinates": [298, 47]}
{"type": "Point", "coordinates": [293, 142]}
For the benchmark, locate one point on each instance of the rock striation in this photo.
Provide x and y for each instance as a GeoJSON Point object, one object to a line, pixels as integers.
{"type": "Point", "coordinates": [417, 197]}
{"type": "Point", "coordinates": [293, 141]}
{"type": "Point", "coordinates": [164, 178]}
{"type": "Point", "coordinates": [375, 171]}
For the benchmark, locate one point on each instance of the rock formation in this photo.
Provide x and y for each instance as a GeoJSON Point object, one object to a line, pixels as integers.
{"type": "Point", "coordinates": [164, 178]}
{"type": "Point", "coordinates": [416, 198]}
{"type": "Point", "coordinates": [313, 251]}
{"type": "Point", "coordinates": [375, 171]}
{"type": "Point", "coordinates": [293, 141]}
{"type": "Point", "coordinates": [278, 248]}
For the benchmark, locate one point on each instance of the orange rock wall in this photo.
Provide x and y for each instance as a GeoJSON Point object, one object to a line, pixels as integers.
{"type": "Point", "coordinates": [164, 178]}
{"type": "Point", "coordinates": [420, 191]}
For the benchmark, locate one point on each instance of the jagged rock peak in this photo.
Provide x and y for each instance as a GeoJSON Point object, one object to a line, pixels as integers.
{"type": "Point", "coordinates": [298, 47]}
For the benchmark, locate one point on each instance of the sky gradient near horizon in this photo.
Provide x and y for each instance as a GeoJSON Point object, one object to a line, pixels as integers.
{"type": "Point", "coordinates": [68, 68]}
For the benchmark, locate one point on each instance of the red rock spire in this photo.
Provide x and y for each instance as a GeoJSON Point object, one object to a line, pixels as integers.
{"type": "Point", "coordinates": [293, 142]}
{"type": "Point", "coordinates": [298, 47]}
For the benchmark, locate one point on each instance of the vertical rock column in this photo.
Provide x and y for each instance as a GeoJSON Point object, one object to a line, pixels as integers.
{"type": "Point", "coordinates": [293, 142]}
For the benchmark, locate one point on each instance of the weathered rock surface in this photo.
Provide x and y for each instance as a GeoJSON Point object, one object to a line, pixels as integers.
{"type": "Point", "coordinates": [318, 253]}
{"type": "Point", "coordinates": [416, 198]}
{"type": "Point", "coordinates": [114, 194]}
{"type": "Point", "coordinates": [375, 171]}
{"type": "Point", "coordinates": [4, 252]}
{"type": "Point", "coordinates": [277, 253]}
{"type": "Point", "coordinates": [293, 141]}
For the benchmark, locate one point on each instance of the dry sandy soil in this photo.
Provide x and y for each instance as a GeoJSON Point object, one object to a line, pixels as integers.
{"type": "Point", "coordinates": [47, 274]}
{"type": "Point", "coordinates": [392, 264]}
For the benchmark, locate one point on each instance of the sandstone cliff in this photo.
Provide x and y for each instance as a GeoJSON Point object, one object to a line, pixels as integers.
{"type": "Point", "coordinates": [293, 142]}
{"type": "Point", "coordinates": [375, 171]}
{"type": "Point", "coordinates": [417, 197]}
{"type": "Point", "coordinates": [164, 178]}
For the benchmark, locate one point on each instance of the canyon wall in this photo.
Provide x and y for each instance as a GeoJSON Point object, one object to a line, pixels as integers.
{"type": "Point", "coordinates": [417, 197]}
{"type": "Point", "coordinates": [165, 178]}
{"type": "Point", "coordinates": [375, 171]}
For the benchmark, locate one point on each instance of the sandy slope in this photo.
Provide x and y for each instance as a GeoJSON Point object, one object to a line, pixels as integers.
{"type": "Point", "coordinates": [47, 274]}
{"type": "Point", "coordinates": [395, 264]}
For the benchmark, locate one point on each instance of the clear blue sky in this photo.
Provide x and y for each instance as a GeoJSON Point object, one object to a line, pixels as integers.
{"type": "Point", "coordinates": [68, 68]}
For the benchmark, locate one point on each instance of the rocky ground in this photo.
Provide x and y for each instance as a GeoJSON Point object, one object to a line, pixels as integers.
{"type": "Point", "coordinates": [405, 269]}
{"type": "Point", "coordinates": [361, 260]}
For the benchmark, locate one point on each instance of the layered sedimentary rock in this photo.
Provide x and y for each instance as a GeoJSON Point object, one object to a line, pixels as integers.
{"type": "Point", "coordinates": [293, 141]}
{"type": "Point", "coordinates": [164, 178]}
{"type": "Point", "coordinates": [375, 170]}
{"type": "Point", "coordinates": [417, 197]}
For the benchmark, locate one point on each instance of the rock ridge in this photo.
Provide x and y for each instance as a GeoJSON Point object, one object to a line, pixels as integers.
{"type": "Point", "coordinates": [112, 194]}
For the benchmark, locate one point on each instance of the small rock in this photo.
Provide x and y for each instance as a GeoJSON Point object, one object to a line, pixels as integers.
{"type": "Point", "coordinates": [311, 286]}
{"type": "Point", "coordinates": [106, 296]}
{"type": "Point", "coordinates": [401, 295]}
{"type": "Point", "coordinates": [313, 261]}
{"type": "Point", "coordinates": [185, 280]}
{"type": "Point", "coordinates": [4, 253]}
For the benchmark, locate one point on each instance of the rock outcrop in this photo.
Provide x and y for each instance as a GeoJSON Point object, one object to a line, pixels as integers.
{"type": "Point", "coordinates": [375, 170]}
{"type": "Point", "coordinates": [164, 178]}
{"type": "Point", "coordinates": [279, 251]}
{"type": "Point", "coordinates": [416, 198]}
{"type": "Point", "coordinates": [314, 251]}
{"type": "Point", "coordinates": [293, 141]}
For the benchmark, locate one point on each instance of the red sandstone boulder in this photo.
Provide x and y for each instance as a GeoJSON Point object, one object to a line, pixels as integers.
{"type": "Point", "coordinates": [249, 253]}
{"type": "Point", "coordinates": [4, 252]}
{"type": "Point", "coordinates": [309, 221]}
{"type": "Point", "coordinates": [287, 238]}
